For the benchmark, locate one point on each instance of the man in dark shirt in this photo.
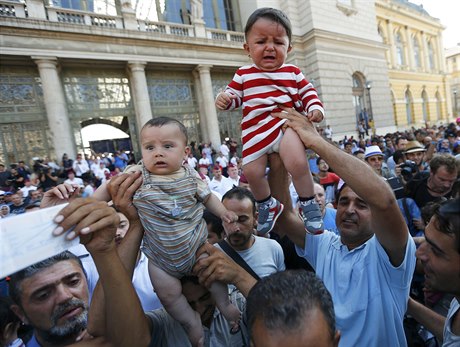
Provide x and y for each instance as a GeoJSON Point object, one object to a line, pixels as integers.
{"type": "Point", "coordinates": [435, 185]}
{"type": "Point", "coordinates": [5, 175]}
{"type": "Point", "coordinates": [18, 205]}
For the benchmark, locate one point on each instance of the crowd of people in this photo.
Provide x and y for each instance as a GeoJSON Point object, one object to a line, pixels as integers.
{"type": "Point", "coordinates": [361, 248]}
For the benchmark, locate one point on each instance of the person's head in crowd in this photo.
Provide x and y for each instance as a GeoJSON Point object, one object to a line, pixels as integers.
{"type": "Point", "coordinates": [4, 211]}
{"type": "Point", "coordinates": [440, 253]}
{"type": "Point", "coordinates": [359, 154]}
{"type": "Point", "coordinates": [242, 203]}
{"type": "Point", "coordinates": [443, 174]}
{"type": "Point", "coordinates": [199, 298]}
{"type": "Point", "coordinates": [399, 157]}
{"type": "Point", "coordinates": [164, 145]}
{"type": "Point", "coordinates": [420, 134]}
{"type": "Point", "coordinates": [320, 197]}
{"type": "Point", "coordinates": [291, 308]}
{"type": "Point", "coordinates": [122, 229]}
{"type": "Point", "coordinates": [35, 195]}
{"type": "Point", "coordinates": [215, 228]}
{"type": "Point", "coordinates": [322, 165]}
{"type": "Point", "coordinates": [374, 158]}
{"type": "Point", "coordinates": [415, 152]}
{"type": "Point", "coordinates": [232, 171]}
{"type": "Point", "coordinates": [9, 324]}
{"type": "Point", "coordinates": [71, 174]}
{"type": "Point", "coordinates": [2, 167]}
{"type": "Point", "coordinates": [400, 143]}
{"type": "Point", "coordinates": [243, 182]}
{"type": "Point", "coordinates": [217, 172]}
{"type": "Point", "coordinates": [203, 169]}
{"type": "Point", "coordinates": [16, 199]}
{"type": "Point", "coordinates": [348, 147]}
{"type": "Point", "coordinates": [451, 137]}
{"type": "Point", "coordinates": [52, 296]}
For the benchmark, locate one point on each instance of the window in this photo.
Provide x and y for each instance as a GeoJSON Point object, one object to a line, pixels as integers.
{"type": "Point", "coordinates": [416, 48]}
{"type": "Point", "coordinates": [430, 56]}
{"type": "Point", "coordinates": [399, 50]}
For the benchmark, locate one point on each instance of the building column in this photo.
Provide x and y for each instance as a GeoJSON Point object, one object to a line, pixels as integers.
{"type": "Point", "coordinates": [36, 9]}
{"type": "Point", "coordinates": [140, 92]}
{"type": "Point", "coordinates": [425, 58]}
{"type": "Point", "coordinates": [441, 60]}
{"type": "Point", "coordinates": [56, 107]}
{"type": "Point", "coordinates": [391, 41]}
{"type": "Point", "coordinates": [209, 107]}
{"type": "Point", "coordinates": [201, 111]}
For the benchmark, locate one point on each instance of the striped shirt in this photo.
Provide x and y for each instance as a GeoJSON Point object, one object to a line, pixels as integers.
{"type": "Point", "coordinates": [259, 93]}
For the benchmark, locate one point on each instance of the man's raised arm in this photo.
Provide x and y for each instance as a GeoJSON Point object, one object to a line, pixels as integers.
{"type": "Point", "coordinates": [387, 221]}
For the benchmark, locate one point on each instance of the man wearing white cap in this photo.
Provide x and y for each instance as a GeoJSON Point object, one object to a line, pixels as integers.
{"type": "Point", "coordinates": [374, 158]}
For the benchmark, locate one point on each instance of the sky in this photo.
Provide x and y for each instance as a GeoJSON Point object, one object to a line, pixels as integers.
{"type": "Point", "coordinates": [448, 11]}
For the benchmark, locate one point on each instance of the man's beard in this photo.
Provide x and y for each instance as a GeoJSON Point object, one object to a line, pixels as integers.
{"type": "Point", "coordinates": [71, 327]}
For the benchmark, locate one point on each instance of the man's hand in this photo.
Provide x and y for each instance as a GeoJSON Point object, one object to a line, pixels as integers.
{"type": "Point", "coordinates": [306, 130]}
{"type": "Point", "coordinates": [223, 100]}
{"type": "Point", "coordinates": [94, 221]}
{"type": "Point", "coordinates": [60, 194]}
{"type": "Point", "coordinates": [122, 188]}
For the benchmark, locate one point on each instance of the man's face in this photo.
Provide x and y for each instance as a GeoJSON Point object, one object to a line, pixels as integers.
{"type": "Point", "coordinates": [122, 229]}
{"type": "Point", "coordinates": [200, 299]}
{"type": "Point", "coordinates": [239, 234]}
{"type": "Point", "coordinates": [375, 162]}
{"type": "Point", "coordinates": [317, 335]}
{"type": "Point", "coordinates": [16, 199]}
{"type": "Point", "coordinates": [348, 148]}
{"type": "Point", "coordinates": [217, 173]}
{"type": "Point", "coordinates": [416, 157]}
{"type": "Point", "coordinates": [35, 195]}
{"type": "Point", "coordinates": [440, 259]}
{"type": "Point", "coordinates": [232, 172]}
{"type": "Point", "coordinates": [353, 218]}
{"type": "Point", "coordinates": [322, 166]}
{"type": "Point", "coordinates": [55, 301]}
{"type": "Point", "coordinates": [442, 181]}
{"type": "Point", "coordinates": [320, 197]}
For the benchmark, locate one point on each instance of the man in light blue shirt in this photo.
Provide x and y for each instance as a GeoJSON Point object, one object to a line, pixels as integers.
{"type": "Point", "coordinates": [368, 268]}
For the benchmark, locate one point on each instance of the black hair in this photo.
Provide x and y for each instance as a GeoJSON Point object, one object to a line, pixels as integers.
{"type": "Point", "coordinates": [272, 14]}
{"type": "Point", "coordinates": [7, 316]}
{"type": "Point", "coordinates": [283, 301]}
{"type": "Point", "coordinates": [160, 121]}
{"type": "Point", "coordinates": [17, 278]}
{"type": "Point", "coordinates": [447, 219]}
{"type": "Point", "coordinates": [216, 223]}
{"type": "Point", "coordinates": [240, 193]}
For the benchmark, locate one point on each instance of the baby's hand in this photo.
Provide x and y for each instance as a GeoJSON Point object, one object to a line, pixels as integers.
{"type": "Point", "coordinates": [315, 116]}
{"type": "Point", "coordinates": [223, 100]}
{"type": "Point", "coordinates": [229, 217]}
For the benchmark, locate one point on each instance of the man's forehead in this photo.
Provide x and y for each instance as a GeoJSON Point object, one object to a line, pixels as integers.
{"type": "Point", "coordinates": [50, 275]}
{"type": "Point", "coordinates": [233, 204]}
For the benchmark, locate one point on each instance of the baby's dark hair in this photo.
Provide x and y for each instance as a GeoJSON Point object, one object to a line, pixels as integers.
{"type": "Point", "coordinates": [7, 316]}
{"type": "Point", "coordinates": [272, 14]}
{"type": "Point", "coordinates": [160, 121]}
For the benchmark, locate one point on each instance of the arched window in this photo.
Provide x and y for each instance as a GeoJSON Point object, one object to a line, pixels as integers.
{"type": "Point", "coordinates": [399, 50]}
{"type": "Point", "coordinates": [358, 94]}
{"type": "Point", "coordinates": [409, 115]}
{"type": "Point", "coordinates": [416, 52]}
{"type": "Point", "coordinates": [430, 56]}
{"type": "Point", "coordinates": [425, 105]}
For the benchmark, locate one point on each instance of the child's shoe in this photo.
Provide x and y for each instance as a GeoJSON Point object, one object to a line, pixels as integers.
{"type": "Point", "coordinates": [312, 218]}
{"type": "Point", "coordinates": [268, 214]}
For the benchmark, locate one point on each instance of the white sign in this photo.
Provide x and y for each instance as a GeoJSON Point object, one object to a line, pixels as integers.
{"type": "Point", "coordinates": [28, 238]}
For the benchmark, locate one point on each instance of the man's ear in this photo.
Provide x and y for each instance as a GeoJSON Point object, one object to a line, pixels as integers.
{"type": "Point", "coordinates": [19, 312]}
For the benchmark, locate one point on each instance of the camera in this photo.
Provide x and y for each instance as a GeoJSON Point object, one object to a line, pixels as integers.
{"type": "Point", "coordinates": [408, 169]}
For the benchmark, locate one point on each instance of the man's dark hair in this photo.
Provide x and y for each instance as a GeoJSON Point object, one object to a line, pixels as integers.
{"type": "Point", "coordinates": [399, 138]}
{"type": "Point", "coordinates": [216, 223]}
{"type": "Point", "coordinates": [283, 300]}
{"type": "Point", "coordinates": [446, 160]}
{"type": "Point", "coordinates": [240, 193]}
{"type": "Point", "coordinates": [447, 219]}
{"type": "Point", "coordinates": [17, 278]}
{"type": "Point", "coordinates": [160, 121]}
{"type": "Point", "coordinates": [398, 155]}
{"type": "Point", "coordinates": [7, 316]}
{"type": "Point", "coordinates": [272, 14]}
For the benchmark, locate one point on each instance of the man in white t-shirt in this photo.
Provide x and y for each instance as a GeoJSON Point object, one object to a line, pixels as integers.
{"type": "Point", "coordinates": [220, 183]}
{"type": "Point", "coordinates": [233, 174]}
{"type": "Point", "coordinates": [224, 149]}
{"type": "Point", "coordinates": [72, 180]}
{"type": "Point", "coordinates": [191, 161]}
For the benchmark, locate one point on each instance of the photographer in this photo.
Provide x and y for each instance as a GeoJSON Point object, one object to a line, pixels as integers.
{"type": "Point", "coordinates": [47, 179]}
{"type": "Point", "coordinates": [436, 184]}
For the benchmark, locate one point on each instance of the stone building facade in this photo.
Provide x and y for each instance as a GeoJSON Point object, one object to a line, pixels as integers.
{"type": "Point", "coordinates": [68, 64]}
{"type": "Point", "coordinates": [453, 70]}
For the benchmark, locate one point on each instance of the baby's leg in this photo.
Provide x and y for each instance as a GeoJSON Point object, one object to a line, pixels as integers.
{"type": "Point", "coordinates": [169, 291]}
{"type": "Point", "coordinates": [219, 292]}
{"type": "Point", "coordinates": [269, 209]}
{"type": "Point", "coordinates": [292, 153]}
